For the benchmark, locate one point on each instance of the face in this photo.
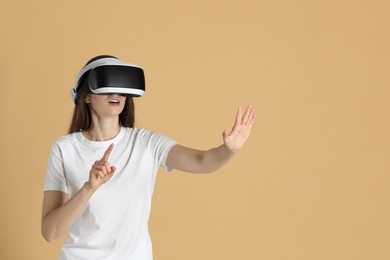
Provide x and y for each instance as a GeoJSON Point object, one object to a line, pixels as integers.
{"type": "Point", "coordinates": [106, 105]}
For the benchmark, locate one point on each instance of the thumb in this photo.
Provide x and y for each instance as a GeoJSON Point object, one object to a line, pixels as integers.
{"type": "Point", "coordinates": [225, 135]}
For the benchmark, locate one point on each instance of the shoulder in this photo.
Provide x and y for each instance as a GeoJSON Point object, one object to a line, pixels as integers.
{"type": "Point", "coordinates": [150, 137]}
{"type": "Point", "coordinates": [143, 132]}
{"type": "Point", "coordinates": [65, 141]}
{"type": "Point", "coordinates": [148, 134]}
{"type": "Point", "coordinates": [146, 137]}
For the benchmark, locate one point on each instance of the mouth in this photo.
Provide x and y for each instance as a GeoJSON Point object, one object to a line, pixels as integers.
{"type": "Point", "coordinates": [114, 101]}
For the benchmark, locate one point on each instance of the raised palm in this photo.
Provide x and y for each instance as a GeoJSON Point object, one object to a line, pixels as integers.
{"type": "Point", "coordinates": [241, 129]}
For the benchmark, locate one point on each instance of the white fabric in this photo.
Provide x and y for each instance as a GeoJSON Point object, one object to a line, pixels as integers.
{"type": "Point", "coordinates": [114, 224]}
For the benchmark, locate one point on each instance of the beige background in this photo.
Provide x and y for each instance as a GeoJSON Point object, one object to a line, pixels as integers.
{"type": "Point", "coordinates": [312, 183]}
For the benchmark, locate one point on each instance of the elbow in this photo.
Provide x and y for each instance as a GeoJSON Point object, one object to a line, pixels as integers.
{"type": "Point", "coordinates": [48, 235]}
{"type": "Point", "coordinates": [48, 238]}
{"type": "Point", "coordinates": [209, 171]}
{"type": "Point", "coordinates": [205, 170]}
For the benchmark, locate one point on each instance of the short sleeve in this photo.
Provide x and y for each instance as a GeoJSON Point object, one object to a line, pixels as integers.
{"type": "Point", "coordinates": [55, 173]}
{"type": "Point", "coordinates": [159, 145]}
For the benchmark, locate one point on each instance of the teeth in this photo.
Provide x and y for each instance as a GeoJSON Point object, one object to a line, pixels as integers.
{"type": "Point", "coordinates": [114, 101]}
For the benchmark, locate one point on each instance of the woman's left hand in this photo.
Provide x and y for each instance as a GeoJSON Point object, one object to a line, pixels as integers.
{"type": "Point", "coordinates": [241, 129]}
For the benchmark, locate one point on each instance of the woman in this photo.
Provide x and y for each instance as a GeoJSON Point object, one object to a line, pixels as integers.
{"type": "Point", "coordinates": [110, 221]}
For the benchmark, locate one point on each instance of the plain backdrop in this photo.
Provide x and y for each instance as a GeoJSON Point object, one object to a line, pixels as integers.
{"type": "Point", "coordinates": [311, 183]}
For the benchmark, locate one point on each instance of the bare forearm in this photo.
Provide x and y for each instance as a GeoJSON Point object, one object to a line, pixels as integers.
{"type": "Point", "coordinates": [215, 158]}
{"type": "Point", "coordinates": [60, 220]}
{"type": "Point", "coordinates": [196, 161]}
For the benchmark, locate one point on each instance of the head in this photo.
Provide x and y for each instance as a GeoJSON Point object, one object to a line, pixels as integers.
{"type": "Point", "coordinates": [82, 119]}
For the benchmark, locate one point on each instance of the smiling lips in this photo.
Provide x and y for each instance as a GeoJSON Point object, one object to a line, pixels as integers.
{"type": "Point", "coordinates": [114, 101]}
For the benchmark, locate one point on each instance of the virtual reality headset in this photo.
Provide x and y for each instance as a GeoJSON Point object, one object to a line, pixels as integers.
{"type": "Point", "coordinates": [111, 76]}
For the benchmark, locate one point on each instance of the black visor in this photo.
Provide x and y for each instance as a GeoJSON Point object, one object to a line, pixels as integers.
{"type": "Point", "coordinates": [118, 79]}
{"type": "Point", "coordinates": [111, 76]}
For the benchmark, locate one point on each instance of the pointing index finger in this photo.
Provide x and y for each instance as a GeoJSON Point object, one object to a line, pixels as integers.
{"type": "Point", "coordinates": [107, 153]}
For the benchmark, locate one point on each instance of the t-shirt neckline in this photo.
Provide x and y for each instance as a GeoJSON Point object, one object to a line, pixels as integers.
{"type": "Point", "coordinates": [104, 143]}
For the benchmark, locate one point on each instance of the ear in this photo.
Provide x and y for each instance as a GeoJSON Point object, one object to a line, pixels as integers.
{"type": "Point", "coordinates": [86, 99]}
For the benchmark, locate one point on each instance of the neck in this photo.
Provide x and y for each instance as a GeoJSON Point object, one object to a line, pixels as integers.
{"type": "Point", "coordinates": [102, 130]}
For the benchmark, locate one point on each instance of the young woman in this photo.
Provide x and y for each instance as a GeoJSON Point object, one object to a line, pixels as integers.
{"type": "Point", "coordinates": [100, 178]}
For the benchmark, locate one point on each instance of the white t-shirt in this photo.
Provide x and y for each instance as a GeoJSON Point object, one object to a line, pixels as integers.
{"type": "Point", "coordinates": [114, 223]}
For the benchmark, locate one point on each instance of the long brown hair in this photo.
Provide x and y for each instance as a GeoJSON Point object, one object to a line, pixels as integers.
{"type": "Point", "coordinates": [82, 119]}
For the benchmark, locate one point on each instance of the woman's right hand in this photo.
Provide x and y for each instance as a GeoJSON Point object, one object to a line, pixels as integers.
{"type": "Point", "coordinates": [59, 212]}
{"type": "Point", "coordinates": [101, 171]}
